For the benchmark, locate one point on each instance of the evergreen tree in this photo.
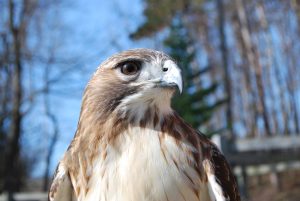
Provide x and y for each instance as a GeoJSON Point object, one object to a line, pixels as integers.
{"type": "Point", "coordinates": [192, 104]}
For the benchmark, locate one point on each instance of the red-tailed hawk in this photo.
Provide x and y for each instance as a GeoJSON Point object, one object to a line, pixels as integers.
{"type": "Point", "coordinates": [131, 146]}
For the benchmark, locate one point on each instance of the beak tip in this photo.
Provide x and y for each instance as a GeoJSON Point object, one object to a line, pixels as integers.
{"type": "Point", "coordinates": [180, 84]}
{"type": "Point", "coordinates": [180, 88]}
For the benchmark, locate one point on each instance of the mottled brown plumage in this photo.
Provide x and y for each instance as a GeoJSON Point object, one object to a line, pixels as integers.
{"type": "Point", "coordinates": [130, 144]}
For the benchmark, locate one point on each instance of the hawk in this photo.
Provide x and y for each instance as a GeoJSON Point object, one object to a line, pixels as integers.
{"type": "Point", "coordinates": [130, 145]}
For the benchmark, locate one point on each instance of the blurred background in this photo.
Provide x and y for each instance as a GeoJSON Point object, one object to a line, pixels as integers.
{"type": "Point", "coordinates": [241, 68]}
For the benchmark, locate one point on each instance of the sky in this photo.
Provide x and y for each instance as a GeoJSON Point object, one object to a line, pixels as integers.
{"type": "Point", "coordinates": [95, 31]}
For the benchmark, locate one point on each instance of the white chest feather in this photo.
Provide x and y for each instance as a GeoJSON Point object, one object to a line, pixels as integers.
{"type": "Point", "coordinates": [143, 166]}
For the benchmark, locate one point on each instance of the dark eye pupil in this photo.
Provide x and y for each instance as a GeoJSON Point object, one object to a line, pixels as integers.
{"type": "Point", "coordinates": [129, 68]}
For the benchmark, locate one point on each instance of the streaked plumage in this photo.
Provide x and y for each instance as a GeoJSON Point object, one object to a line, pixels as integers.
{"type": "Point", "coordinates": [131, 146]}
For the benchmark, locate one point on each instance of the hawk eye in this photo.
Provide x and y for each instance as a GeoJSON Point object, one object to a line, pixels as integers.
{"type": "Point", "coordinates": [130, 68]}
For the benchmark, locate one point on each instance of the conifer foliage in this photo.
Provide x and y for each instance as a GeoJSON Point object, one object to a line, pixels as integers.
{"type": "Point", "coordinates": [192, 104]}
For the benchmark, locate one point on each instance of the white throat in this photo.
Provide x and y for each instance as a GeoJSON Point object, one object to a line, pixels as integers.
{"type": "Point", "coordinates": [154, 98]}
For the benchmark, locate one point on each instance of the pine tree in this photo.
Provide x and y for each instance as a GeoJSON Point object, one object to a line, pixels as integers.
{"type": "Point", "coordinates": [192, 104]}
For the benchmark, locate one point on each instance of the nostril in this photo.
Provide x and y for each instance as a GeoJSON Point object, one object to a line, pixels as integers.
{"type": "Point", "coordinates": [165, 69]}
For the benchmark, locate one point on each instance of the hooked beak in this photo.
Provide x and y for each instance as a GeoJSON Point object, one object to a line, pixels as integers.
{"type": "Point", "coordinates": [171, 78]}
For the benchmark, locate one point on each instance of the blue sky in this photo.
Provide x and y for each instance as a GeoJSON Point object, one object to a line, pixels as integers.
{"type": "Point", "coordinates": [95, 30]}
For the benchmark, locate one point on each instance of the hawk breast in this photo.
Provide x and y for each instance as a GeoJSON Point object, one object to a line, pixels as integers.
{"type": "Point", "coordinates": [145, 164]}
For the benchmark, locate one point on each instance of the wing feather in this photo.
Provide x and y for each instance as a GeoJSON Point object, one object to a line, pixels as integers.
{"type": "Point", "coordinates": [222, 183]}
{"type": "Point", "coordinates": [220, 179]}
{"type": "Point", "coordinates": [61, 188]}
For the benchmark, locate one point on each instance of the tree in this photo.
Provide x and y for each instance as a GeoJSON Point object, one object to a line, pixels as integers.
{"type": "Point", "coordinates": [192, 104]}
{"type": "Point", "coordinates": [17, 31]}
{"type": "Point", "coordinates": [224, 53]}
{"type": "Point", "coordinates": [157, 18]}
{"type": "Point", "coordinates": [30, 67]}
{"type": "Point", "coordinates": [254, 55]}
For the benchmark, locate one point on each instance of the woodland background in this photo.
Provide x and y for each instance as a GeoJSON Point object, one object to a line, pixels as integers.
{"type": "Point", "coordinates": [240, 61]}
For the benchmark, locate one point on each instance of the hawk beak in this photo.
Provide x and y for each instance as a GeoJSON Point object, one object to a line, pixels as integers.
{"type": "Point", "coordinates": [172, 78]}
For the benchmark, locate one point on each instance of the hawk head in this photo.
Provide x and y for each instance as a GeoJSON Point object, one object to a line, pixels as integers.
{"type": "Point", "coordinates": [131, 84]}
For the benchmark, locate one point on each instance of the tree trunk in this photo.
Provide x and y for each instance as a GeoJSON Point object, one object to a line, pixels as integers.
{"type": "Point", "coordinates": [225, 65]}
{"type": "Point", "coordinates": [12, 180]}
{"type": "Point", "coordinates": [291, 85]}
{"type": "Point", "coordinates": [252, 56]}
{"type": "Point", "coordinates": [268, 66]}
{"type": "Point", "coordinates": [248, 91]}
{"type": "Point", "coordinates": [296, 6]}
